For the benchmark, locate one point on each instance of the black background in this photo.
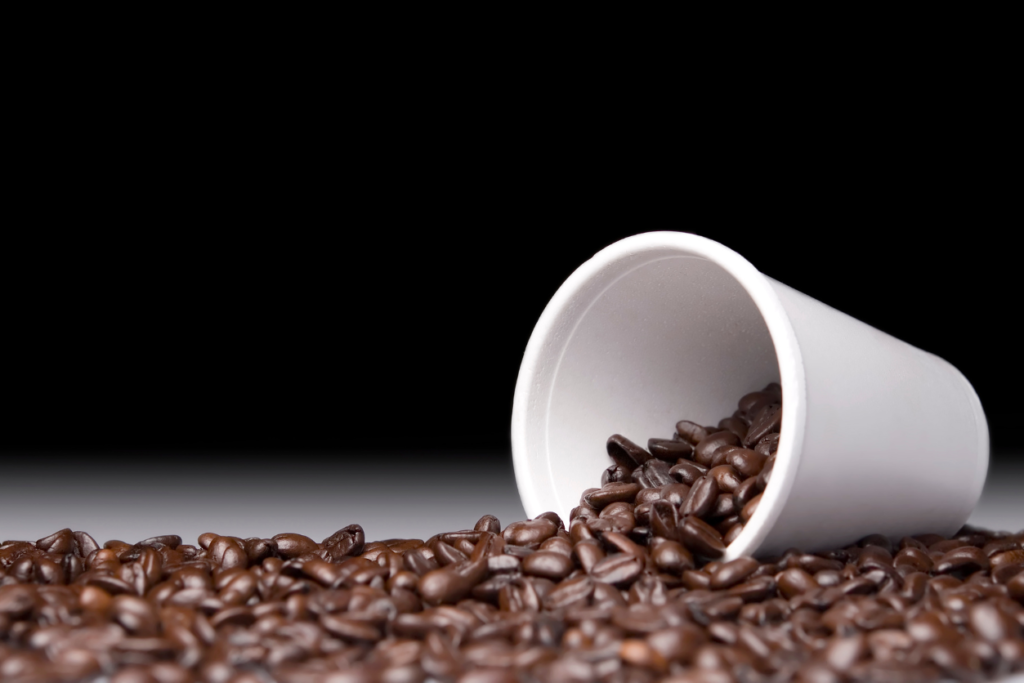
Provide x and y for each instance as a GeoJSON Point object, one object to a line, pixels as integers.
{"type": "Point", "coordinates": [397, 322]}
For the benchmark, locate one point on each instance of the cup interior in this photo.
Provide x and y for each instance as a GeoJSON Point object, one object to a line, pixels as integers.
{"type": "Point", "coordinates": [636, 340]}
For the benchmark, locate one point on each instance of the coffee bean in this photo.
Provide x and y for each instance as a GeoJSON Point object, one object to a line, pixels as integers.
{"type": "Point", "coordinates": [526, 533]}
{"type": "Point", "coordinates": [612, 493]}
{"type": "Point", "coordinates": [653, 473]}
{"type": "Point", "coordinates": [668, 450]}
{"type": "Point", "coordinates": [768, 445]}
{"type": "Point", "coordinates": [549, 565]}
{"type": "Point", "coordinates": [705, 451]}
{"type": "Point", "coordinates": [619, 570]}
{"type": "Point", "coordinates": [746, 462]}
{"type": "Point", "coordinates": [745, 492]}
{"type": "Point", "coordinates": [670, 556]}
{"type": "Point", "coordinates": [700, 538]}
{"type": "Point", "coordinates": [690, 432]}
{"type": "Point", "coordinates": [688, 472]}
{"type": "Point", "coordinates": [726, 477]}
{"type": "Point", "coordinates": [293, 545]}
{"type": "Point", "coordinates": [702, 497]}
{"type": "Point", "coordinates": [58, 542]}
{"type": "Point", "coordinates": [732, 573]}
{"type": "Point", "coordinates": [963, 559]}
{"type": "Point", "coordinates": [734, 425]}
{"type": "Point", "coordinates": [750, 509]}
{"type": "Point", "coordinates": [767, 420]}
{"type": "Point", "coordinates": [626, 453]}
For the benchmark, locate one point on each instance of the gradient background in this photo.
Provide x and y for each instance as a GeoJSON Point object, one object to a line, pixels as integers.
{"type": "Point", "coordinates": [363, 371]}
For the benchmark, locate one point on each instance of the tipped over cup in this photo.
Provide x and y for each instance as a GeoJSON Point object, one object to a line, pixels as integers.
{"type": "Point", "coordinates": [877, 436]}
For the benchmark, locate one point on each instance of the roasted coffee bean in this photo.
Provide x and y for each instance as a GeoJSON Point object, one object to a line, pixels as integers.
{"type": "Point", "coordinates": [691, 432]}
{"type": "Point", "coordinates": [626, 453]}
{"type": "Point", "coordinates": [726, 477]}
{"type": "Point", "coordinates": [704, 452]}
{"type": "Point", "coordinates": [767, 421]}
{"type": "Point", "coordinates": [768, 445]}
{"type": "Point", "coordinates": [746, 462]}
{"type": "Point", "coordinates": [732, 533]}
{"type": "Point", "coordinates": [347, 542]}
{"type": "Point", "coordinates": [58, 542]}
{"type": "Point", "coordinates": [725, 506]}
{"type": "Point", "coordinates": [702, 497]}
{"type": "Point", "coordinates": [525, 533]}
{"type": "Point", "coordinates": [675, 494]}
{"type": "Point", "coordinates": [669, 450]}
{"type": "Point", "coordinates": [701, 538]}
{"type": "Point", "coordinates": [963, 559]}
{"type": "Point", "coordinates": [612, 493]}
{"type": "Point", "coordinates": [549, 565]}
{"type": "Point", "coordinates": [746, 491]}
{"type": "Point", "coordinates": [670, 556]}
{"type": "Point", "coordinates": [616, 474]}
{"type": "Point", "coordinates": [732, 573]}
{"type": "Point", "coordinates": [664, 519]}
{"type": "Point", "coordinates": [734, 425]}
{"type": "Point", "coordinates": [688, 472]}
{"type": "Point", "coordinates": [294, 545]}
{"type": "Point", "coordinates": [750, 509]}
{"type": "Point", "coordinates": [653, 473]}
{"type": "Point", "coordinates": [619, 570]}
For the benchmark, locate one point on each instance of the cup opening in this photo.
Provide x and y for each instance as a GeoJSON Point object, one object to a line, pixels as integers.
{"type": "Point", "coordinates": [654, 329]}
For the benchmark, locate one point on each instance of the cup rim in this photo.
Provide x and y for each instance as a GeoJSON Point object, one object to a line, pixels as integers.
{"type": "Point", "coordinates": [780, 329]}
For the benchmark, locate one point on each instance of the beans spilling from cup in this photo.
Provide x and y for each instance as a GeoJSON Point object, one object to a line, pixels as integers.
{"type": "Point", "coordinates": [698, 487]}
{"type": "Point", "coordinates": [633, 590]}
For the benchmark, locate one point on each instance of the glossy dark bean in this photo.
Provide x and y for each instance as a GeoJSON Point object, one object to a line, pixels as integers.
{"type": "Point", "coordinates": [62, 541]}
{"type": "Point", "coordinates": [688, 472]}
{"type": "Point", "coordinates": [726, 477]}
{"type": "Point", "coordinates": [701, 538]}
{"type": "Point", "coordinates": [549, 565]}
{"type": "Point", "coordinates": [664, 520]}
{"type": "Point", "coordinates": [732, 533]}
{"type": "Point", "coordinates": [616, 473]}
{"type": "Point", "coordinates": [293, 545]}
{"type": "Point", "coordinates": [533, 531]}
{"type": "Point", "coordinates": [768, 445]}
{"type": "Point", "coordinates": [705, 450]}
{"type": "Point", "coordinates": [626, 453]}
{"type": "Point", "coordinates": [619, 570]}
{"type": "Point", "coordinates": [792, 582]}
{"type": "Point", "coordinates": [669, 450]}
{"type": "Point", "coordinates": [731, 573]}
{"type": "Point", "coordinates": [691, 432]}
{"type": "Point", "coordinates": [653, 473]}
{"type": "Point", "coordinates": [675, 494]}
{"type": "Point", "coordinates": [746, 462]}
{"type": "Point", "coordinates": [725, 507]}
{"type": "Point", "coordinates": [750, 509]}
{"type": "Point", "coordinates": [588, 553]}
{"type": "Point", "coordinates": [702, 497]}
{"type": "Point", "coordinates": [612, 493]}
{"type": "Point", "coordinates": [746, 491]}
{"type": "Point", "coordinates": [963, 559]}
{"type": "Point", "coordinates": [767, 421]}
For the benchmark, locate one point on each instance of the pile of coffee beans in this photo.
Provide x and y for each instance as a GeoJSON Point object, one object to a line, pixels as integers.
{"type": "Point", "coordinates": [633, 590]}
{"type": "Point", "coordinates": [698, 487]}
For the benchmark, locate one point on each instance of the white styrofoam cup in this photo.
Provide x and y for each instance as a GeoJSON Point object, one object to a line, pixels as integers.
{"type": "Point", "coordinates": [877, 436]}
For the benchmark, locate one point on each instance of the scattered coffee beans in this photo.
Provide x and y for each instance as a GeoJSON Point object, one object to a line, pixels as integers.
{"type": "Point", "coordinates": [633, 590]}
